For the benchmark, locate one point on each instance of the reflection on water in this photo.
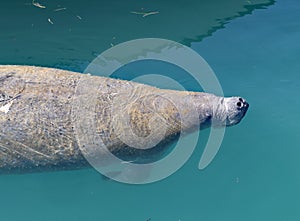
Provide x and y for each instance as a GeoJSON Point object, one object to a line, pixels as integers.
{"type": "Point", "coordinates": [69, 34]}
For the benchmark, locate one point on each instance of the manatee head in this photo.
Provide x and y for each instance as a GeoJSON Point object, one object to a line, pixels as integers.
{"type": "Point", "coordinates": [229, 111]}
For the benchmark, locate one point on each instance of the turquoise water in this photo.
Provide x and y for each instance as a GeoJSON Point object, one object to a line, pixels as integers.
{"type": "Point", "coordinates": [255, 175]}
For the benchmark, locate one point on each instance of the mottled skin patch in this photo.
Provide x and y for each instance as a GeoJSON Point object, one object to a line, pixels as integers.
{"type": "Point", "coordinates": [36, 133]}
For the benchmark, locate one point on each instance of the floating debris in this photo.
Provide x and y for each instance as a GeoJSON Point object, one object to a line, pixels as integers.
{"type": "Point", "coordinates": [59, 9]}
{"type": "Point", "coordinates": [145, 14]}
{"type": "Point", "coordinates": [50, 21]}
{"type": "Point", "coordinates": [112, 43]}
{"type": "Point", "coordinates": [78, 17]}
{"type": "Point", "coordinates": [125, 162]}
{"type": "Point", "coordinates": [150, 13]}
{"type": "Point", "coordinates": [36, 4]}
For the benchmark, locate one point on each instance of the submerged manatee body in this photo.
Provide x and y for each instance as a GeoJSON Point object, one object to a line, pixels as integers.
{"type": "Point", "coordinates": [134, 121]}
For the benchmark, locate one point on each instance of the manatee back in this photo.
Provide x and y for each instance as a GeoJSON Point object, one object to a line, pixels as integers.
{"type": "Point", "coordinates": [35, 120]}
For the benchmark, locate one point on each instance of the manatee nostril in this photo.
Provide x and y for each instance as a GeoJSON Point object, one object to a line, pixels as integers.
{"type": "Point", "coordinates": [246, 104]}
{"type": "Point", "coordinates": [239, 104]}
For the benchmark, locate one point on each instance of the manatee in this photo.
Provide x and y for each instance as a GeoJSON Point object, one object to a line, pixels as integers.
{"type": "Point", "coordinates": [40, 111]}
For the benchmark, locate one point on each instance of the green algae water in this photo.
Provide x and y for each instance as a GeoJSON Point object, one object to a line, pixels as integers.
{"type": "Point", "coordinates": [254, 50]}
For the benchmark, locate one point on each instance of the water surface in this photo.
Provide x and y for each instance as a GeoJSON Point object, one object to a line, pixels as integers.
{"type": "Point", "coordinates": [255, 174]}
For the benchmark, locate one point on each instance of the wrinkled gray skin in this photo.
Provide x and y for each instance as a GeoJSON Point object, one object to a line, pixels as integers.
{"type": "Point", "coordinates": [46, 115]}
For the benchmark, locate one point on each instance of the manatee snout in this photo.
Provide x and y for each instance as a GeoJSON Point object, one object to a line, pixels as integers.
{"type": "Point", "coordinates": [242, 105]}
{"type": "Point", "coordinates": [235, 108]}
